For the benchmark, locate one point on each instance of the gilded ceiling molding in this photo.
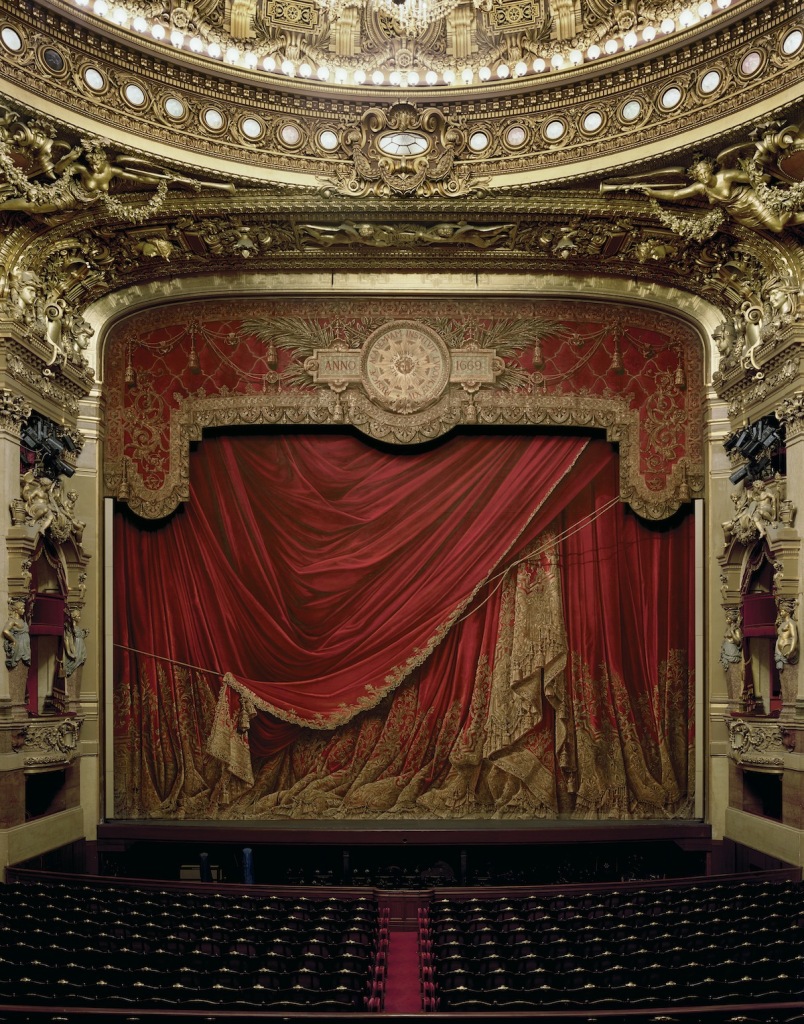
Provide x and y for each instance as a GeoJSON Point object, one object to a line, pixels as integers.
{"type": "Point", "coordinates": [91, 251]}
{"type": "Point", "coordinates": [512, 129]}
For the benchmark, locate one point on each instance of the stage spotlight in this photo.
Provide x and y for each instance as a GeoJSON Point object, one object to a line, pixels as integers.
{"type": "Point", "coordinates": [742, 437]}
{"type": "Point", "coordinates": [52, 447]}
{"type": "Point", "coordinates": [751, 448]}
{"type": "Point", "coordinates": [43, 446]}
{"type": "Point", "coordinates": [29, 438]}
{"type": "Point", "coordinates": [741, 473]}
{"type": "Point", "coordinates": [770, 436]}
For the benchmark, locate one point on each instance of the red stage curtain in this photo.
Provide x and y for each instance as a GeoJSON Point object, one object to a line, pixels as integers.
{"type": "Point", "coordinates": [629, 611]}
{"type": "Point", "coordinates": [327, 578]}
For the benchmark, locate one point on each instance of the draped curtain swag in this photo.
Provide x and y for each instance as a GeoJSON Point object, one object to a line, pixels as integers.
{"type": "Point", "coordinates": [403, 634]}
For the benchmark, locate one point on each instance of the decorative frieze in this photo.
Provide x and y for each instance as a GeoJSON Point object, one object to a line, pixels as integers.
{"type": "Point", "coordinates": [791, 414]}
{"type": "Point", "coordinates": [44, 383]}
{"type": "Point", "coordinates": [756, 742]}
{"type": "Point", "coordinates": [14, 410]}
{"type": "Point", "coordinates": [48, 743]}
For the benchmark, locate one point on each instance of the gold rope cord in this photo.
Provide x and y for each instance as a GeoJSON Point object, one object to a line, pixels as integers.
{"type": "Point", "coordinates": [526, 749]}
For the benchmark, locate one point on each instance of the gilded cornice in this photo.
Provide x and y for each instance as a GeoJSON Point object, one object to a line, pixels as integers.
{"type": "Point", "coordinates": [26, 371]}
{"type": "Point", "coordinates": [311, 109]}
{"type": "Point", "coordinates": [552, 232]}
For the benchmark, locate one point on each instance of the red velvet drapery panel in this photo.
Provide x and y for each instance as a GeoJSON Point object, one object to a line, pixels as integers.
{"type": "Point", "coordinates": [629, 611]}
{"type": "Point", "coordinates": [329, 578]}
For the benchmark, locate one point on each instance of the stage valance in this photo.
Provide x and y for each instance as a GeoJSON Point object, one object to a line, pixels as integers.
{"type": "Point", "coordinates": [403, 370]}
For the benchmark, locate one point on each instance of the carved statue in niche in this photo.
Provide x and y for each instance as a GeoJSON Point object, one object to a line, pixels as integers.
{"type": "Point", "coordinates": [756, 508]}
{"type": "Point", "coordinates": [786, 651]}
{"type": "Point", "coordinates": [37, 493]}
{"type": "Point", "coordinates": [731, 654]}
{"type": "Point", "coordinates": [765, 507]}
{"type": "Point", "coordinates": [16, 636]}
{"type": "Point", "coordinates": [75, 648]}
{"type": "Point", "coordinates": [49, 509]}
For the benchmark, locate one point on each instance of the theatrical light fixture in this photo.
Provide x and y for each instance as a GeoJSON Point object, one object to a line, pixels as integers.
{"type": "Point", "coordinates": [409, 17]}
{"type": "Point", "coordinates": [405, 19]}
{"type": "Point", "coordinates": [757, 443]}
{"type": "Point", "coordinates": [44, 444]}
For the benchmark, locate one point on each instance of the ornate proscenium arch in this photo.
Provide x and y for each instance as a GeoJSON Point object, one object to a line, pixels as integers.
{"type": "Point", "coordinates": [411, 373]}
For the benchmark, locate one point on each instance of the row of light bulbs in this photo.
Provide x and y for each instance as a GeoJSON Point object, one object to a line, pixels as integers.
{"type": "Point", "coordinates": [341, 76]}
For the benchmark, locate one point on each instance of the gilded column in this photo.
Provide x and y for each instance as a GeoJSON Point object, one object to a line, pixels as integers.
{"type": "Point", "coordinates": [14, 410]}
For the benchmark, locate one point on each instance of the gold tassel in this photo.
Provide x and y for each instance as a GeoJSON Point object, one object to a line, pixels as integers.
{"type": "Point", "coordinates": [122, 490]}
{"type": "Point", "coordinates": [684, 489]}
{"type": "Point", "coordinates": [680, 379]}
{"type": "Point", "coordinates": [130, 377]}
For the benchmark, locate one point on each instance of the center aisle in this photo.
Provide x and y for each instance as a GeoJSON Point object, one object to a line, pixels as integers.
{"type": "Point", "coordinates": [402, 985]}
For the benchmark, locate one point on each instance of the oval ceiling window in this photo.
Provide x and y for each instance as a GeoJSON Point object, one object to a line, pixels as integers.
{"type": "Point", "coordinates": [671, 98]}
{"type": "Point", "coordinates": [53, 59]}
{"type": "Point", "coordinates": [94, 79]}
{"type": "Point", "coordinates": [751, 63]}
{"type": "Point", "coordinates": [251, 127]}
{"type": "Point", "coordinates": [554, 130]}
{"type": "Point", "coordinates": [631, 110]}
{"type": "Point", "coordinates": [134, 95]}
{"type": "Point", "coordinates": [792, 41]}
{"type": "Point", "coordinates": [478, 141]}
{"type": "Point", "coordinates": [515, 136]}
{"type": "Point", "coordinates": [174, 107]}
{"type": "Point", "coordinates": [403, 143]}
{"type": "Point", "coordinates": [290, 134]}
{"type": "Point", "coordinates": [592, 121]}
{"type": "Point", "coordinates": [328, 140]}
{"type": "Point", "coordinates": [213, 119]}
{"type": "Point", "coordinates": [11, 40]}
{"type": "Point", "coordinates": [710, 82]}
